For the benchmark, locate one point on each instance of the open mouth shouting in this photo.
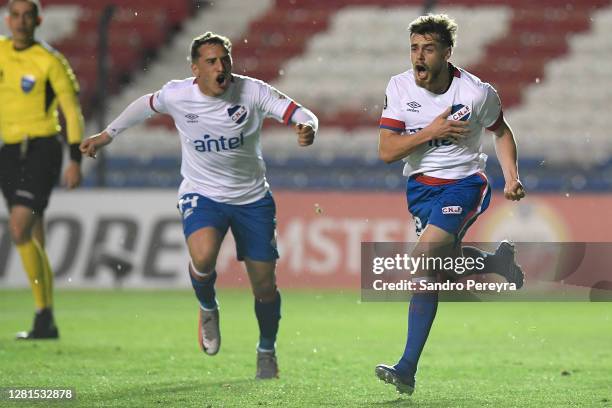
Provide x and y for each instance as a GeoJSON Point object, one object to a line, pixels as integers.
{"type": "Point", "coordinates": [421, 71]}
{"type": "Point", "coordinates": [223, 80]}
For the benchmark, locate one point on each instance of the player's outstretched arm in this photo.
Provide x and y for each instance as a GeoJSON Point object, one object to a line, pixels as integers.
{"type": "Point", "coordinates": [137, 112]}
{"type": "Point", "coordinates": [394, 146]}
{"type": "Point", "coordinates": [505, 148]}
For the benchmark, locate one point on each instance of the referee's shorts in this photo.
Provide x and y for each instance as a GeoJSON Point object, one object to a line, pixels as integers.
{"type": "Point", "coordinates": [29, 171]}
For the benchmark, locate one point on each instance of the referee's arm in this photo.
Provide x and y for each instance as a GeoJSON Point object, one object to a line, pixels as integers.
{"type": "Point", "coordinates": [66, 88]}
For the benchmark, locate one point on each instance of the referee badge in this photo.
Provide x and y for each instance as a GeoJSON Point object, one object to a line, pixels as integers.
{"type": "Point", "coordinates": [27, 83]}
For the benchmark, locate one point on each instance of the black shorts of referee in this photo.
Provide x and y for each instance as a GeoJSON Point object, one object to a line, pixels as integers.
{"type": "Point", "coordinates": [29, 170]}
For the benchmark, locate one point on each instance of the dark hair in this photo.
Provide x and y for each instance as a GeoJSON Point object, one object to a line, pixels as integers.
{"type": "Point", "coordinates": [440, 24]}
{"type": "Point", "coordinates": [209, 38]}
{"type": "Point", "coordinates": [35, 3]}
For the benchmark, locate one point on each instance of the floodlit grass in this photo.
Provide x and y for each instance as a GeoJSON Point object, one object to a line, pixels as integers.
{"type": "Point", "coordinates": [139, 349]}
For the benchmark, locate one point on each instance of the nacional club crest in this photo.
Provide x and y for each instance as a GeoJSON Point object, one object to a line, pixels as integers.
{"type": "Point", "coordinates": [237, 113]}
{"type": "Point", "coordinates": [460, 112]}
{"type": "Point", "coordinates": [27, 83]}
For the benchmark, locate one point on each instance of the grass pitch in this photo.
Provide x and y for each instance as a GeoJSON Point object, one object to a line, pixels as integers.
{"type": "Point", "coordinates": [139, 349]}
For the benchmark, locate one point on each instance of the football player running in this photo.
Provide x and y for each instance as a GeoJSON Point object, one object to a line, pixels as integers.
{"type": "Point", "coordinates": [219, 116]}
{"type": "Point", "coordinates": [433, 118]}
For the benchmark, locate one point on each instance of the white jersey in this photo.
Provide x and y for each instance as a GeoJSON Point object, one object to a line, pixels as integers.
{"type": "Point", "coordinates": [221, 150]}
{"type": "Point", "coordinates": [409, 108]}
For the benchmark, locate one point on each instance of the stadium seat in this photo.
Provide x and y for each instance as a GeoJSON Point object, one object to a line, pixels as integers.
{"type": "Point", "coordinates": [138, 29]}
{"type": "Point", "coordinates": [336, 57]}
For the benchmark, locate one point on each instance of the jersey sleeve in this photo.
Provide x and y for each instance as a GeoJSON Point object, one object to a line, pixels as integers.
{"type": "Point", "coordinates": [491, 115]}
{"type": "Point", "coordinates": [136, 112]}
{"type": "Point", "coordinates": [391, 115]}
{"type": "Point", "coordinates": [274, 103]}
{"type": "Point", "coordinates": [65, 85]}
{"type": "Point", "coordinates": [303, 115]}
{"type": "Point", "coordinates": [157, 100]}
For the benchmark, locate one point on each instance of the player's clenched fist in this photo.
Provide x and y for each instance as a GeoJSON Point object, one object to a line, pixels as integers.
{"type": "Point", "coordinates": [305, 133]}
{"type": "Point", "coordinates": [514, 190]}
{"type": "Point", "coordinates": [92, 144]}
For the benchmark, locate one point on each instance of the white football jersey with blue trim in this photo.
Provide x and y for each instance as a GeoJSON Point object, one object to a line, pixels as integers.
{"type": "Point", "coordinates": [409, 108]}
{"type": "Point", "coordinates": [221, 150]}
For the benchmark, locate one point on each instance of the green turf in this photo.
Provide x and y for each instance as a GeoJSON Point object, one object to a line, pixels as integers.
{"type": "Point", "coordinates": [139, 349]}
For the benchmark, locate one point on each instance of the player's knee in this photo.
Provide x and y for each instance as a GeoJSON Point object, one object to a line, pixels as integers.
{"type": "Point", "coordinates": [20, 233]}
{"type": "Point", "coordinates": [204, 265]}
{"type": "Point", "coordinates": [265, 291]}
{"type": "Point", "coordinates": [200, 275]}
{"type": "Point", "coordinates": [204, 260]}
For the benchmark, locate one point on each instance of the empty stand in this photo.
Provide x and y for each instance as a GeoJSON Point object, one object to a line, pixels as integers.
{"type": "Point", "coordinates": [560, 118]}
{"type": "Point", "coordinates": [139, 28]}
{"type": "Point", "coordinates": [546, 59]}
{"type": "Point", "coordinates": [347, 67]}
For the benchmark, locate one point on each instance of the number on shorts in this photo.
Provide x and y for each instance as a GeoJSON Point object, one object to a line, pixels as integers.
{"type": "Point", "coordinates": [418, 225]}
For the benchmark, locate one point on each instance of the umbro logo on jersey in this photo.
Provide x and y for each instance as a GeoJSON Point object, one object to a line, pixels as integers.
{"type": "Point", "coordinates": [192, 118]}
{"type": "Point", "coordinates": [237, 113]}
{"type": "Point", "coordinates": [413, 106]}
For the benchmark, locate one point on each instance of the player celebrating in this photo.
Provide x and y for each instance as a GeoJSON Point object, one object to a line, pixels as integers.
{"type": "Point", "coordinates": [34, 78]}
{"type": "Point", "coordinates": [433, 118]}
{"type": "Point", "coordinates": [219, 116]}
